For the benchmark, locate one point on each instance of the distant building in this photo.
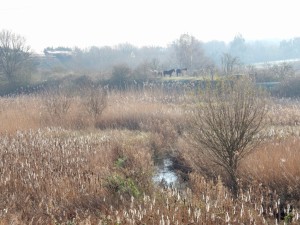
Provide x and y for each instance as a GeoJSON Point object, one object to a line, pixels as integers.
{"type": "Point", "coordinates": [58, 53]}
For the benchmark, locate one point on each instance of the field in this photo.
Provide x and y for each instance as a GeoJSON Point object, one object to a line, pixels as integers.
{"type": "Point", "coordinates": [61, 164]}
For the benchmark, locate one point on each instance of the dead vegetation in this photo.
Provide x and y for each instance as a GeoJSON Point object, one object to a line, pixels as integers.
{"type": "Point", "coordinates": [86, 169]}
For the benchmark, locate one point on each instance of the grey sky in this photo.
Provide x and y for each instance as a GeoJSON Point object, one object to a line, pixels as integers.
{"type": "Point", "coordinates": [146, 22]}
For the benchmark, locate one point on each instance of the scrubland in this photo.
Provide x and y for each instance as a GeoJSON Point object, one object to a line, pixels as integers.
{"type": "Point", "coordinates": [62, 165]}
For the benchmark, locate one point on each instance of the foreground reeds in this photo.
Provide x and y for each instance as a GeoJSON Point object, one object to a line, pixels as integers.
{"type": "Point", "coordinates": [51, 173]}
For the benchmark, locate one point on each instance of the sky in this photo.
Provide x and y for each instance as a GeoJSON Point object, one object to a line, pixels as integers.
{"type": "Point", "coordinates": [77, 23]}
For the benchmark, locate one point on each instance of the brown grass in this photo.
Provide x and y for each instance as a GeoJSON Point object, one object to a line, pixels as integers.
{"type": "Point", "coordinates": [285, 112]}
{"type": "Point", "coordinates": [19, 113]}
{"type": "Point", "coordinates": [276, 165]}
{"type": "Point", "coordinates": [79, 171]}
{"type": "Point", "coordinates": [55, 172]}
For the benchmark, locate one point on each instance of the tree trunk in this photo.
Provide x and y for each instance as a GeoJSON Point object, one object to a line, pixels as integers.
{"type": "Point", "coordinates": [234, 182]}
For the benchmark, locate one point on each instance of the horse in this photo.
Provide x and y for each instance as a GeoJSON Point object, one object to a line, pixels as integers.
{"type": "Point", "coordinates": [179, 71]}
{"type": "Point", "coordinates": [168, 72]}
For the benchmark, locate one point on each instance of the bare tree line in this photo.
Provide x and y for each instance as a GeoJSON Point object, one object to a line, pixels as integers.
{"type": "Point", "coordinates": [18, 63]}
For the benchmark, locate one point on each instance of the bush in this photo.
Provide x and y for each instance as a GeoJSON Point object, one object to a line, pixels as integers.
{"type": "Point", "coordinates": [225, 124]}
{"type": "Point", "coordinates": [116, 184]}
{"type": "Point", "coordinates": [57, 104]}
{"type": "Point", "coordinates": [94, 101]}
{"type": "Point", "coordinates": [289, 88]}
{"type": "Point", "coordinates": [120, 76]}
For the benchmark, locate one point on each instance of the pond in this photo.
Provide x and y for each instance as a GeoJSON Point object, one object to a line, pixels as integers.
{"type": "Point", "coordinates": [165, 174]}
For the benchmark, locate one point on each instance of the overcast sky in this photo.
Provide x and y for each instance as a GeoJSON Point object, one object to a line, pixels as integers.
{"type": "Point", "coordinates": [88, 23]}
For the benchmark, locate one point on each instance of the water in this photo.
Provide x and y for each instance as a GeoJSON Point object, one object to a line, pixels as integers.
{"type": "Point", "coordinates": [165, 174]}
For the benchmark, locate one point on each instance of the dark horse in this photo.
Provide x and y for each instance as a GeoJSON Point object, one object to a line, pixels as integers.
{"type": "Point", "coordinates": [168, 72]}
{"type": "Point", "coordinates": [179, 71]}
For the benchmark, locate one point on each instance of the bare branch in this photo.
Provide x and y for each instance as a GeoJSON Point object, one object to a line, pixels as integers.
{"type": "Point", "coordinates": [226, 123]}
{"type": "Point", "coordinates": [14, 54]}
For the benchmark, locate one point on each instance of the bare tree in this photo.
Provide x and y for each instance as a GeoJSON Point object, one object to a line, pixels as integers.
{"type": "Point", "coordinates": [229, 63]}
{"type": "Point", "coordinates": [154, 64]}
{"type": "Point", "coordinates": [95, 101]}
{"type": "Point", "coordinates": [189, 52]}
{"type": "Point", "coordinates": [282, 71]}
{"type": "Point", "coordinates": [14, 55]}
{"type": "Point", "coordinates": [226, 125]}
{"type": "Point", "coordinates": [56, 104]}
{"type": "Point", "coordinates": [210, 69]}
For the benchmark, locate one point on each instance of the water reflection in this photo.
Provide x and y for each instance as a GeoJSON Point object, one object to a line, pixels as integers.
{"type": "Point", "coordinates": [165, 173]}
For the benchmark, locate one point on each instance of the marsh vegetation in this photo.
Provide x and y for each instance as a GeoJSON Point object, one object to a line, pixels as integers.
{"type": "Point", "coordinates": [100, 136]}
{"type": "Point", "coordinates": [69, 159]}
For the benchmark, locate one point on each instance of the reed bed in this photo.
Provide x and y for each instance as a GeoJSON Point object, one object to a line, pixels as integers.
{"type": "Point", "coordinates": [276, 165]}
{"type": "Point", "coordinates": [47, 175]}
{"type": "Point", "coordinates": [209, 203]}
{"type": "Point", "coordinates": [77, 170]}
{"type": "Point", "coordinates": [55, 176]}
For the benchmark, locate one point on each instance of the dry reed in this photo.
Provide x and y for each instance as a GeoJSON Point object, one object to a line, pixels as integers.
{"type": "Point", "coordinates": [70, 172]}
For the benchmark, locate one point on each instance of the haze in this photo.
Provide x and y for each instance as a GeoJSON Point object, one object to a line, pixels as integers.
{"type": "Point", "coordinates": [146, 23]}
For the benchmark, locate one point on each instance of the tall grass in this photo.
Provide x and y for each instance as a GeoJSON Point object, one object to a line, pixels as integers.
{"type": "Point", "coordinates": [81, 169]}
{"type": "Point", "coordinates": [52, 174]}
{"type": "Point", "coordinates": [276, 165]}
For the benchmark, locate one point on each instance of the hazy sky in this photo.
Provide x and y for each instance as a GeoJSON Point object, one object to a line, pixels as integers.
{"type": "Point", "coordinates": [46, 23]}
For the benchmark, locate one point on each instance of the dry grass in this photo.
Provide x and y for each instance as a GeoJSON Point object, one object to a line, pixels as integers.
{"type": "Point", "coordinates": [276, 165]}
{"type": "Point", "coordinates": [124, 110]}
{"type": "Point", "coordinates": [49, 174]}
{"type": "Point", "coordinates": [285, 112]}
{"type": "Point", "coordinates": [19, 113]}
{"type": "Point", "coordinates": [205, 203]}
{"type": "Point", "coordinates": [68, 171]}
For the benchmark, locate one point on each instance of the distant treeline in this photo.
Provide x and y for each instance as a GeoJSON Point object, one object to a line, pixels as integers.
{"type": "Point", "coordinates": [125, 64]}
{"type": "Point", "coordinates": [177, 54]}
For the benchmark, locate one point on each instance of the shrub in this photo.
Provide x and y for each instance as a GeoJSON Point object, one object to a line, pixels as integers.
{"type": "Point", "coordinates": [126, 187]}
{"type": "Point", "coordinates": [56, 104]}
{"type": "Point", "coordinates": [120, 76]}
{"type": "Point", "coordinates": [289, 88]}
{"type": "Point", "coordinates": [225, 124]}
{"type": "Point", "coordinates": [94, 100]}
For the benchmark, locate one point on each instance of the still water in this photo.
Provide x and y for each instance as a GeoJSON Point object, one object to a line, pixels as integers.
{"type": "Point", "coordinates": [165, 174]}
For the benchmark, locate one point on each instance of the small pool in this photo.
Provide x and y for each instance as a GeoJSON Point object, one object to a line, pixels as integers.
{"type": "Point", "coordinates": [165, 173]}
